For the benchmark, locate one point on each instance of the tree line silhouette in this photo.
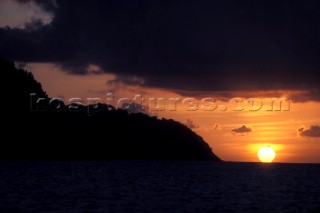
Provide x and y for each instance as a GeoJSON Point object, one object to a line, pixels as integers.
{"type": "Point", "coordinates": [69, 133]}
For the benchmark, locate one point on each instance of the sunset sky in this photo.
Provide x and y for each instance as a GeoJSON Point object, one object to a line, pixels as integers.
{"type": "Point", "coordinates": [183, 49]}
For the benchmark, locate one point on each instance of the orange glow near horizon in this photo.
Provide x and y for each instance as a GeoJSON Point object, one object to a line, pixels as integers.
{"type": "Point", "coordinates": [276, 128]}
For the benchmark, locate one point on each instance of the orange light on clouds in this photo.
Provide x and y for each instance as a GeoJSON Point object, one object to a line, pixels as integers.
{"type": "Point", "coordinates": [275, 128]}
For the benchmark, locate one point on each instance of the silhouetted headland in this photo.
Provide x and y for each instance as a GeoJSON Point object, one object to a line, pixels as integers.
{"type": "Point", "coordinates": [67, 132]}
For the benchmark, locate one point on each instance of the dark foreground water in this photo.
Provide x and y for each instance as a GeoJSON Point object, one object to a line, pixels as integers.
{"type": "Point", "coordinates": [157, 186]}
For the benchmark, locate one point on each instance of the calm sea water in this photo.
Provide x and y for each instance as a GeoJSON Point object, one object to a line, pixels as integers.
{"type": "Point", "coordinates": [158, 186]}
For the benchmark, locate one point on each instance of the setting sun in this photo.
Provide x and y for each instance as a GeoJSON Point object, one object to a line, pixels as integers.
{"type": "Point", "coordinates": [266, 154]}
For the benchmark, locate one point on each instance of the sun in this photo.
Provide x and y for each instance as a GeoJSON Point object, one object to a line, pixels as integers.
{"type": "Point", "coordinates": [266, 154]}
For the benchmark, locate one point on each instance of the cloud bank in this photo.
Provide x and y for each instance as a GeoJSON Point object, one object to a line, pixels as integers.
{"type": "Point", "coordinates": [179, 45]}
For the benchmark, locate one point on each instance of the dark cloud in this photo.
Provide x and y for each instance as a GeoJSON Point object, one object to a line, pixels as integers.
{"type": "Point", "coordinates": [191, 124]}
{"type": "Point", "coordinates": [242, 130]}
{"type": "Point", "coordinates": [46, 4]}
{"type": "Point", "coordinates": [182, 45]}
{"type": "Point", "coordinates": [312, 132]}
{"type": "Point", "coordinates": [291, 95]}
{"type": "Point", "coordinates": [311, 95]}
{"type": "Point", "coordinates": [125, 80]}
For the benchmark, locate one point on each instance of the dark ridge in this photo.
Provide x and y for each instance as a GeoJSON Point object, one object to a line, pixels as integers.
{"type": "Point", "coordinates": [42, 130]}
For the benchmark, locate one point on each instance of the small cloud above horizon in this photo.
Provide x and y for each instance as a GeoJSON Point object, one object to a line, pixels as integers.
{"type": "Point", "coordinates": [312, 132]}
{"type": "Point", "coordinates": [242, 130]}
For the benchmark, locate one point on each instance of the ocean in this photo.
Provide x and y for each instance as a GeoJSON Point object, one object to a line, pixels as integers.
{"type": "Point", "coordinates": [158, 186]}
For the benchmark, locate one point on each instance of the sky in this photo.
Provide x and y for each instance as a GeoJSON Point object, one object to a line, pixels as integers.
{"type": "Point", "coordinates": [183, 51]}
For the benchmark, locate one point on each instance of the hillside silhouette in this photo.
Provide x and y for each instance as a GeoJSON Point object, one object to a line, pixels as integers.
{"type": "Point", "coordinates": [67, 132]}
